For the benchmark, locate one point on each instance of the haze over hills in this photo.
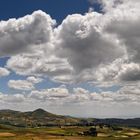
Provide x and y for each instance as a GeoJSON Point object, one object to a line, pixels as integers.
{"type": "Point", "coordinates": [42, 118]}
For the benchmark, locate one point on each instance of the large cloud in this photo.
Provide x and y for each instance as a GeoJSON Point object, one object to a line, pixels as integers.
{"type": "Point", "coordinates": [16, 98]}
{"type": "Point", "coordinates": [24, 85]}
{"type": "Point", "coordinates": [23, 34]}
{"type": "Point", "coordinates": [92, 47]}
{"type": "Point", "coordinates": [20, 85]}
{"type": "Point", "coordinates": [82, 40]}
{"type": "Point", "coordinates": [50, 94]}
{"type": "Point", "coordinates": [56, 68]}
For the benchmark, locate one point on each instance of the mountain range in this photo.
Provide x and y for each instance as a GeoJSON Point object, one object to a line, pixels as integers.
{"type": "Point", "coordinates": [42, 118]}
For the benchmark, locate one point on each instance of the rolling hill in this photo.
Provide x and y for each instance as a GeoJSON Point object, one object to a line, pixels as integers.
{"type": "Point", "coordinates": [34, 118]}
{"type": "Point", "coordinates": [42, 118]}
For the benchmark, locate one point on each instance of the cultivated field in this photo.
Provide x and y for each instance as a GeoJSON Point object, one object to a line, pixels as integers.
{"type": "Point", "coordinates": [67, 133]}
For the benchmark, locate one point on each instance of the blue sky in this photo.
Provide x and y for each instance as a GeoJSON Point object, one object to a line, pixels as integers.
{"type": "Point", "coordinates": [62, 8]}
{"type": "Point", "coordinates": [67, 56]}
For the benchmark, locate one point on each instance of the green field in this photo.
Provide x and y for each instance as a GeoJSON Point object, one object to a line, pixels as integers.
{"type": "Point", "coordinates": [66, 133]}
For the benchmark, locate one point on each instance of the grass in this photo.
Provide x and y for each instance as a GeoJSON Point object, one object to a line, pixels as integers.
{"type": "Point", "coordinates": [66, 133]}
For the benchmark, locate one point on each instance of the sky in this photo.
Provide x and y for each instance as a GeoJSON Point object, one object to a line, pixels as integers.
{"type": "Point", "coordinates": [78, 57]}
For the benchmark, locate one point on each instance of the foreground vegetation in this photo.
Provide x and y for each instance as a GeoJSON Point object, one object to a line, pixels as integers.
{"type": "Point", "coordinates": [68, 133]}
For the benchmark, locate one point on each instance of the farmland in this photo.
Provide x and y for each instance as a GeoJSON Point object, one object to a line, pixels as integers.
{"type": "Point", "coordinates": [67, 133]}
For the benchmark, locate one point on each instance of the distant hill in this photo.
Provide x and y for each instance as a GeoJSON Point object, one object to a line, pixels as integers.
{"type": "Point", "coordinates": [42, 118]}
{"type": "Point", "coordinates": [35, 118]}
{"type": "Point", "coordinates": [120, 122]}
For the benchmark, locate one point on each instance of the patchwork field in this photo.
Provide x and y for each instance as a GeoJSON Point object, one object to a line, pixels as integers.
{"type": "Point", "coordinates": [67, 133]}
